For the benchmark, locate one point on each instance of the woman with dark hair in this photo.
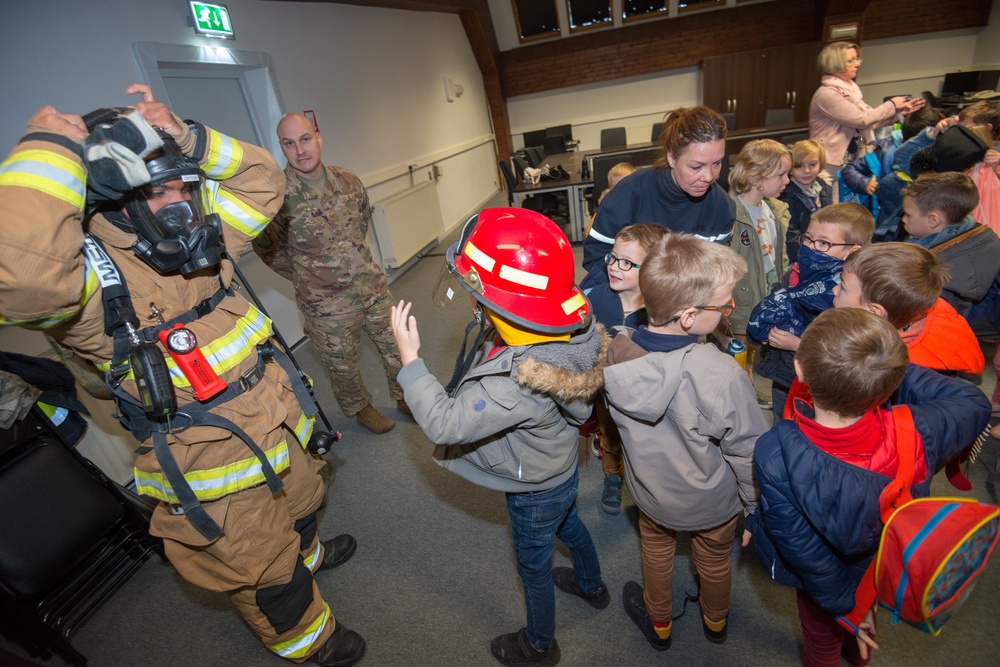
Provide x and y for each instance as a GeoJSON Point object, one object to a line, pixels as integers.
{"type": "Point", "coordinates": [679, 192]}
{"type": "Point", "coordinates": [839, 119]}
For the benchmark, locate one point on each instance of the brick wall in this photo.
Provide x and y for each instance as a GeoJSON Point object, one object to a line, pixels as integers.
{"type": "Point", "coordinates": [658, 46]}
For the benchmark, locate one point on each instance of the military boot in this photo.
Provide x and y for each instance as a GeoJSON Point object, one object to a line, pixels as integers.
{"type": "Point", "coordinates": [374, 421]}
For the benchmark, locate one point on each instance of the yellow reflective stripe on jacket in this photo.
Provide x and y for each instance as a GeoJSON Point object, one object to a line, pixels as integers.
{"type": "Point", "coordinates": [223, 156]}
{"type": "Point", "coordinates": [225, 352]}
{"type": "Point", "coordinates": [90, 285]}
{"type": "Point", "coordinates": [304, 429]}
{"type": "Point", "coordinates": [49, 173]}
{"type": "Point", "coordinates": [235, 212]}
{"type": "Point", "coordinates": [312, 561]}
{"type": "Point", "coordinates": [215, 483]}
{"type": "Point", "coordinates": [56, 415]}
{"type": "Point", "coordinates": [299, 647]}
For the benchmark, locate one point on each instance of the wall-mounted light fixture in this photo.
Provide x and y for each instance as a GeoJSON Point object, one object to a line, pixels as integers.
{"type": "Point", "coordinates": [452, 90]}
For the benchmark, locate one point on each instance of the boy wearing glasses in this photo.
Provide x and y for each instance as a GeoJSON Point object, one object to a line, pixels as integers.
{"type": "Point", "coordinates": [618, 303]}
{"type": "Point", "coordinates": [688, 419]}
{"type": "Point", "coordinates": [778, 321]}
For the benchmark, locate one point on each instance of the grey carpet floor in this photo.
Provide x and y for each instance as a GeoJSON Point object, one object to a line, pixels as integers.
{"type": "Point", "coordinates": [434, 576]}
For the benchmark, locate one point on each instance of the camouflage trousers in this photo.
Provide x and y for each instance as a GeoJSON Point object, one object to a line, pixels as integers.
{"type": "Point", "coordinates": [337, 339]}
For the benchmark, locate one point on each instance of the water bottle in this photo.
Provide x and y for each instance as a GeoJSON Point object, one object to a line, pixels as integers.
{"type": "Point", "coordinates": [738, 350]}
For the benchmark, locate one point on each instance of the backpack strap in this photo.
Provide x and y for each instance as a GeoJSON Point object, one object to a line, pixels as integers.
{"type": "Point", "coordinates": [896, 493]}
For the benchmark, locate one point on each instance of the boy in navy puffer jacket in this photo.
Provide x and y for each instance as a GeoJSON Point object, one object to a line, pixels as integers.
{"type": "Point", "coordinates": [821, 473]}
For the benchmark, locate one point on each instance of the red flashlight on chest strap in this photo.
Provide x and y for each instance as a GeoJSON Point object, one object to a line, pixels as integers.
{"type": "Point", "coordinates": [183, 347]}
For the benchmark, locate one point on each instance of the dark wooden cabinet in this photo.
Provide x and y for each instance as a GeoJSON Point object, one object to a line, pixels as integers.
{"type": "Point", "coordinates": [750, 83]}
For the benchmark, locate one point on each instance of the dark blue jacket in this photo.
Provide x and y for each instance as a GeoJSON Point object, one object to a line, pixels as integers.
{"type": "Point", "coordinates": [801, 207]}
{"type": "Point", "coordinates": [652, 195]}
{"type": "Point", "coordinates": [607, 306]}
{"type": "Point", "coordinates": [818, 522]}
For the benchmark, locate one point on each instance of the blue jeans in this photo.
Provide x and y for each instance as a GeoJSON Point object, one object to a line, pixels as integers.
{"type": "Point", "coordinates": [536, 519]}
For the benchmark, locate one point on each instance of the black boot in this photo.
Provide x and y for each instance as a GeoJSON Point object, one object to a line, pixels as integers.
{"type": "Point", "coordinates": [343, 648]}
{"type": "Point", "coordinates": [337, 551]}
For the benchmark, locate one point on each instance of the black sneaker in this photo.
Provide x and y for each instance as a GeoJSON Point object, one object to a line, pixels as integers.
{"type": "Point", "coordinates": [635, 607]}
{"type": "Point", "coordinates": [565, 580]}
{"type": "Point", "coordinates": [337, 552]}
{"type": "Point", "coordinates": [715, 636]}
{"type": "Point", "coordinates": [343, 648]}
{"type": "Point", "coordinates": [514, 649]}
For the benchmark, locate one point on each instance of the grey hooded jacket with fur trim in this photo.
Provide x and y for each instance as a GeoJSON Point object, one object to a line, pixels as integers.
{"type": "Point", "coordinates": [512, 425]}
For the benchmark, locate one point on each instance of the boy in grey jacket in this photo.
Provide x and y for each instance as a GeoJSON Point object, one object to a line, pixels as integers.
{"type": "Point", "coordinates": [688, 418]}
{"type": "Point", "coordinates": [510, 423]}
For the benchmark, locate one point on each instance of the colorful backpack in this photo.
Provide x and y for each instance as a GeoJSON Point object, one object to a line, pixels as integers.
{"type": "Point", "coordinates": [931, 551]}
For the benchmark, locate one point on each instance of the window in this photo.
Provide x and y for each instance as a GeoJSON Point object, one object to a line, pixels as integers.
{"type": "Point", "coordinates": [632, 9]}
{"type": "Point", "coordinates": [536, 19]}
{"type": "Point", "coordinates": [588, 13]}
{"type": "Point", "coordinates": [685, 5]}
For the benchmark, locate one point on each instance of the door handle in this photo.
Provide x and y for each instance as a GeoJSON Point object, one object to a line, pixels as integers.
{"type": "Point", "coordinates": [788, 98]}
{"type": "Point", "coordinates": [793, 98]}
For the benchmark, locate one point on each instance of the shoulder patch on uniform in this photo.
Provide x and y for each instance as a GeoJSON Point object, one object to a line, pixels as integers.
{"type": "Point", "coordinates": [745, 238]}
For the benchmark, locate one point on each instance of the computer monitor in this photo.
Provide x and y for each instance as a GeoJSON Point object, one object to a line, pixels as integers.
{"type": "Point", "coordinates": [534, 137]}
{"type": "Point", "coordinates": [958, 83]}
{"type": "Point", "coordinates": [565, 130]}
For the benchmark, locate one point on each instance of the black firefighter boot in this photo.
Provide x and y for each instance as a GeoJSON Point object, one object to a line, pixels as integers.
{"type": "Point", "coordinates": [343, 648]}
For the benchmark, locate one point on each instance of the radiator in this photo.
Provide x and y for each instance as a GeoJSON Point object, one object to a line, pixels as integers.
{"type": "Point", "coordinates": [406, 223]}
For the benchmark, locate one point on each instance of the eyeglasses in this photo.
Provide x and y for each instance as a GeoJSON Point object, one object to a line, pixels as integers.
{"type": "Point", "coordinates": [820, 244]}
{"type": "Point", "coordinates": [855, 61]}
{"type": "Point", "coordinates": [623, 264]}
{"type": "Point", "coordinates": [726, 310]}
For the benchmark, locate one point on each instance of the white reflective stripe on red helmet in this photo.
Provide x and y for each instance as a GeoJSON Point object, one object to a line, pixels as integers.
{"type": "Point", "coordinates": [479, 257]}
{"type": "Point", "coordinates": [525, 278]}
{"type": "Point", "coordinates": [575, 302]}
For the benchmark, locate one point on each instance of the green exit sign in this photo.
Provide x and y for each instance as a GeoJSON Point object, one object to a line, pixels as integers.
{"type": "Point", "coordinates": [212, 20]}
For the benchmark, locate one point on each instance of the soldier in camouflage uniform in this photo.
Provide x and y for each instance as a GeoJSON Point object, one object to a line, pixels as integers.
{"type": "Point", "coordinates": [317, 241]}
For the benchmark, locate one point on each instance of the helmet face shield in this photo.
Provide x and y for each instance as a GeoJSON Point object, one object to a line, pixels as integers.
{"type": "Point", "coordinates": [170, 215]}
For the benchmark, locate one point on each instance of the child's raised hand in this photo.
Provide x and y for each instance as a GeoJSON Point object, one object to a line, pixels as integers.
{"type": "Point", "coordinates": [404, 329]}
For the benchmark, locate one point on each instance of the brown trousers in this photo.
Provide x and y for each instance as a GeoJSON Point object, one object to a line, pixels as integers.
{"type": "Point", "coordinates": [711, 550]}
{"type": "Point", "coordinates": [611, 440]}
{"type": "Point", "coordinates": [259, 549]}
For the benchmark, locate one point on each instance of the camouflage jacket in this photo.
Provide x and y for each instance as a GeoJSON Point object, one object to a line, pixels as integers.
{"type": "Point", "coordinates": [319, 244]}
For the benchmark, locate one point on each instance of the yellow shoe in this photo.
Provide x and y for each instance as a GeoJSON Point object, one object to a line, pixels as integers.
{"type": "Point", "coordinates": [374, 421]}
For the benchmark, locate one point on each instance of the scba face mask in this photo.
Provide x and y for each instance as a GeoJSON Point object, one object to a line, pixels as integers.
{"type": "Point", "coordinates": [170, 217]}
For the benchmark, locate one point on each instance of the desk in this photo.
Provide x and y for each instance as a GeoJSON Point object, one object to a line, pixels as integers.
{"type": "Point", "coordinates": [574, 187]}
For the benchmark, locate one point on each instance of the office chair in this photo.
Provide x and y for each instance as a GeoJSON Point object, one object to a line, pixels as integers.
{"type": "Point", "coordinates": [774, 117]}
{"type": "Point", "coordinates": [565, 130]}
{"type": "Point", "coordinates": [554, 145]}
{"type": "Point", "coordinates": [657, 131]}
{"type": "Point", "coordinates": [520, 164]}
{"type": "Point", "coordinates": [509, 180]}
{"type": "Point", "coordinates": [535, 155]}
{"type": "Point", "coordinates": [613, 137]}
{"type": "Point", "coordinates": [790, 139]}
{"type": "Point", "coordinates": [730, 120]}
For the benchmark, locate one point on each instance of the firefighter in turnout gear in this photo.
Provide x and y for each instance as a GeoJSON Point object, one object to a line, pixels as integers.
{"type": "Point", "coordinates": [113, 232]}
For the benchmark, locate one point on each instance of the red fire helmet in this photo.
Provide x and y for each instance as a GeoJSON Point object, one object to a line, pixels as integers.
{"type": "Point", "coordinates": [519, 264]}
